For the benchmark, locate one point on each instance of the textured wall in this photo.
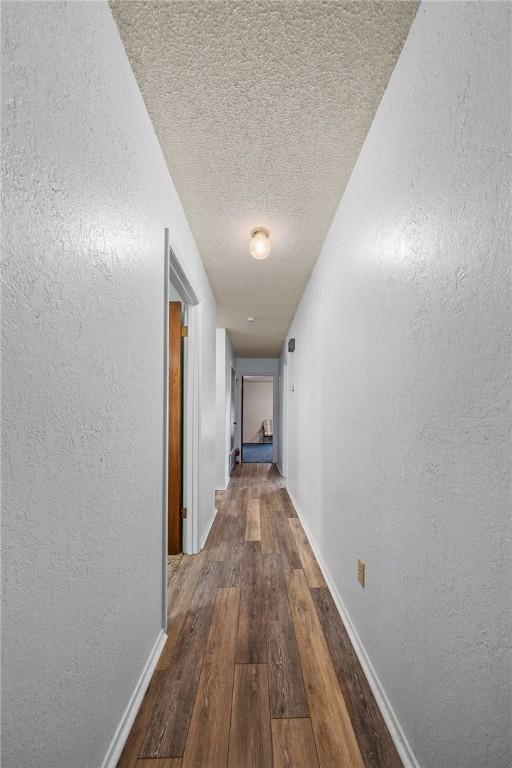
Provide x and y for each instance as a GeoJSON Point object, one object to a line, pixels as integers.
{"type": "Point", "coordinates": [399, 426]}
{"type": "Point", "coordinates": [86, 197]}
{"type": "Point", "coordinates": [220, 409]}
{"type": "Point", "coordinates": [207, 318]}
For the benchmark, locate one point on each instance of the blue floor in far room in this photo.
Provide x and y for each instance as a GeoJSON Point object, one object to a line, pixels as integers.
{"type": "Point", "coordinates": [257, 452]}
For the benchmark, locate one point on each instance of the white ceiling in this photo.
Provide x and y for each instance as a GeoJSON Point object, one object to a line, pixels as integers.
{"type": "Point", "coordinates": [261, 109]}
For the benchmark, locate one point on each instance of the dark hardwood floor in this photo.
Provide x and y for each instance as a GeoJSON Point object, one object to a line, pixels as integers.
{"type": "Point", "coordinates": [258, 670]}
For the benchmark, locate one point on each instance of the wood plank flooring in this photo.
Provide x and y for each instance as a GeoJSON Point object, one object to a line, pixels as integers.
{"type": "Point", "coordinates": [258, 670]}
{"type": "Point", "coordinates": [250, 746]}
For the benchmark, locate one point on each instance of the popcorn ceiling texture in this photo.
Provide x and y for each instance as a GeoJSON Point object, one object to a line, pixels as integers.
{"type": "Point", "coordinates": [86, 195]}
{"type": "Point", "coordinates": [399, 426]}
{"type": "Point", "coordinates": [261, 109]}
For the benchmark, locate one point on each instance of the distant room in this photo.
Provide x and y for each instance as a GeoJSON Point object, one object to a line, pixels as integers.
{"type": "Point", "coordinates": [257, 419]}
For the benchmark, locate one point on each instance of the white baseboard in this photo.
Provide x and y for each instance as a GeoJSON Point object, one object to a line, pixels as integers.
{"type": "Point", "coordinates": [123, 729]}
{"type": "Point", "coordinates": [395, 729]}
{"type": "Point", "coordinates": [225, 486]}
{"type": "Point", "coordinates": [207, 529]}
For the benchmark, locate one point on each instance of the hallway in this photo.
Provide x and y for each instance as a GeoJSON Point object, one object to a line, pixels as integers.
{"type": "Point", "coordinates": [243, 227]}
{"type": "Point", "coordinates": [258, 669]}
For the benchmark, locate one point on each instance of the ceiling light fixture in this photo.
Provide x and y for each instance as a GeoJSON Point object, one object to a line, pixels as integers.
{"type": "Point", "coordinates": [260, 243]}
{"type": "Point", "coordinates": [251, 319]}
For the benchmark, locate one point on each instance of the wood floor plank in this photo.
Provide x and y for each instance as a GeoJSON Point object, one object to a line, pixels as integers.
{"type": "Point", "coordinates": [217, 532]}
{"type": "Point", "coordinates": [179, 599]}
{"type": "Point", "coordinates": [159, 762]}
{"type": "Point", "coordinates": [139, 728]}
{"type": "Point", "coordinates": [235, 521]}
{"type": "Point", "coordinates": [233, 537]}
{"type": "Point", "coordinates": [250, 743]}
{"type": "Point", "coordinates": [217, 552]}
{"type": "Point", "coordinates": [293, 744]}
{"type": "Point", "coordinates": [373, 737]}
{"type": "Point", "coordinates": [276, 594]}
{"type": "Point", "coordinates": [251, 565]}
{"type": "Point", "coordinates": [184, 581]}
{"type": "Point", "coordinates": [335, 740]}
{"type": "Point", "coordinates": [170, 719]}
{"type": "Point", "coordinates": [276, 504]}
{"type": "Point", "coordinates": [231, 566]}
{"type": "Point", "coordinates": [268, 531]}
{"type": "Point", "coordinates": [286, 544]}
{"type": "Point", "coordinates": [287, 503]}
{"type": "Point", "coordinates": [308, 559]}
{"type": "Point", "coordinates": [252, 624]}
{"type": "Point", "coordinates": [252, 628]}
{"type": "Point", "coordinates": [287, 694]}
{"type": "Point", "coordinates": [208, 736]}
{"type": "Point", "coordinates": [253, 528]}
{"type": "Point", "coordinates": [256, 489]}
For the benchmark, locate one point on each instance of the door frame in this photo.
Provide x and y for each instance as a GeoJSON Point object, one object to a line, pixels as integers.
{"type": "Point", "coordinates": [232, 420]}
{"type": "Point", "coordinates": [174, 273]}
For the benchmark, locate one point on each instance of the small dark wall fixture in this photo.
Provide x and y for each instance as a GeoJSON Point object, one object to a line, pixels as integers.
{"type": "Point", "coordinates": [291, 345]}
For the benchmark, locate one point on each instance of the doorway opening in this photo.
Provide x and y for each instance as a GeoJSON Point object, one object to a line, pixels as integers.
{"type": "Point", "coordinates": [175, 506]}
{"type": "Point", "coordinates": [181, 419]}
{"type": "Point", "coordinates": [257, 419]}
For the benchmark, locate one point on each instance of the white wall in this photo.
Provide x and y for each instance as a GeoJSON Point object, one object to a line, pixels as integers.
{"type": "Point", "coordinates": [399, 426]}
{"type": "Point", "coordinates": [225, 362]}
{"type": "Point", "coordinates": [207, 319]}
{"type": "Point", "coordinates": [86, 197]}
{"type": "Point", "coordinates": [258, 405]}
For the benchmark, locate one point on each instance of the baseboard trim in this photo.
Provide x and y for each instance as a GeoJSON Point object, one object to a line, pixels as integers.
{"type": "Point", "coordinates": [208, 529]}
{"type": "Point", "coordinates": [123, 729]}
{"type": "Point", "coordinates": [225, 486]}
{"type": "Point", "coordinates": [395, 729]}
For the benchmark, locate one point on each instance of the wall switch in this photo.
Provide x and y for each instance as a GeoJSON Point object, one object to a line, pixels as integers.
{"type": "Point", "coordinates": [361, 572]}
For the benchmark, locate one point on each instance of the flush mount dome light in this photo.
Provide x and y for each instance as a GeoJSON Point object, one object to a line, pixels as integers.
{"type": "Point", "coordinates": [260, 243]}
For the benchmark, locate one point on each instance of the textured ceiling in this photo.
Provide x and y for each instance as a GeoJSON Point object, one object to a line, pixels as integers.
{"type": "Point", "coordinates": [261, 109]}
